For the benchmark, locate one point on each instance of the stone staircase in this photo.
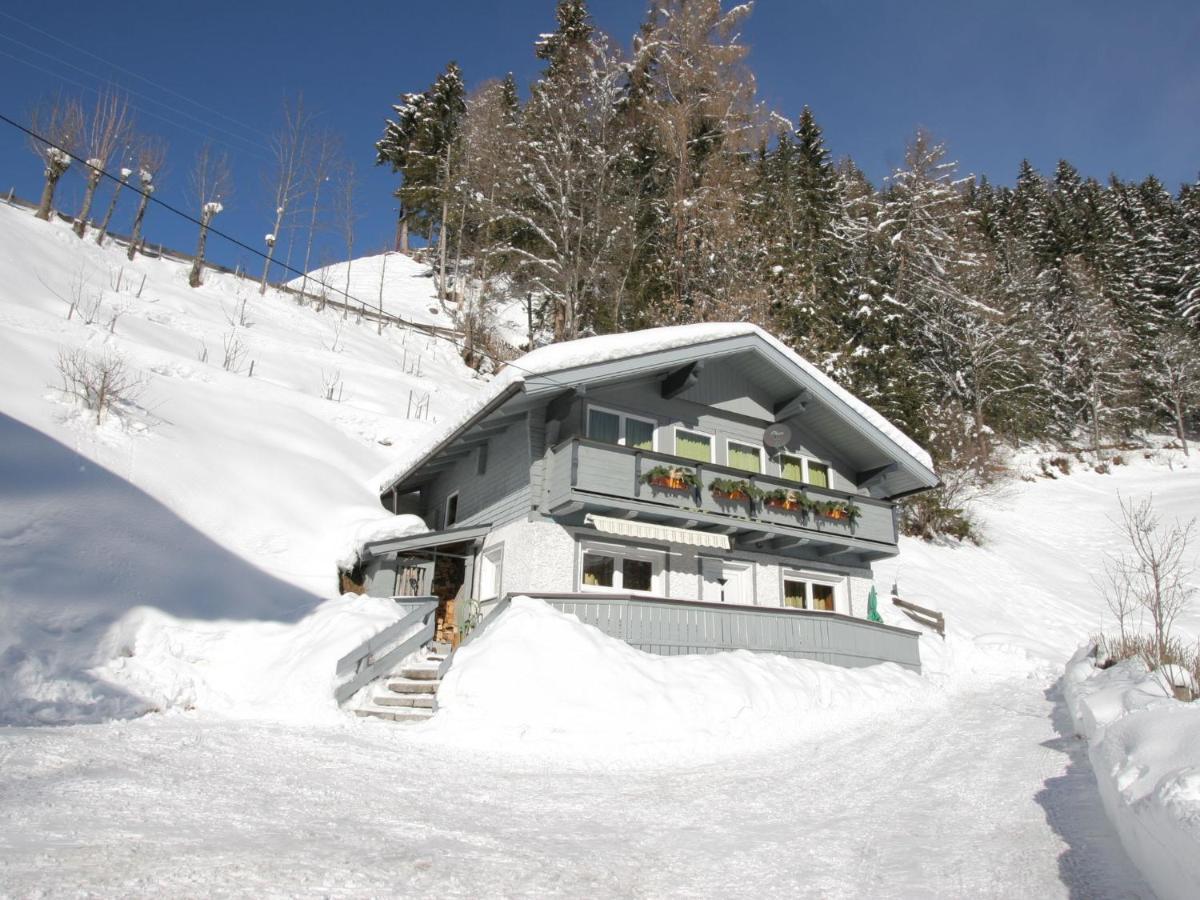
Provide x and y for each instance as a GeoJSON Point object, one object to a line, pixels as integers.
{"type": "Point", "coordinates": [410, 694]}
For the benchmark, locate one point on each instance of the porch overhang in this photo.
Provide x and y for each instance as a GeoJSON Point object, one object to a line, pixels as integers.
{"type": "Point", "coordinates": [425, 540]}
{"type": "Point", "coordinates": [654, 531]}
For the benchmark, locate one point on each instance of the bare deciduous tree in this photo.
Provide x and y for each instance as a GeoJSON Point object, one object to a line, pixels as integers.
{"type": "Point", "coordinates": [123, 176]}
{"type": "Point", "coordinates": [99, 382]}
{"type": "Point", "coordinates": [290, 151]}
{"type": "Point", "coordinates": [151, 156]}
{"type": "Point", "coordinates": [347, 218]}
{"type": "Point", "coordinates": [212, 184]}
{"type": "Point", "coordinates": [59, 124]}
{"type": "Point", "coordinates": [1156, 569]}
{"type": "Point", "coordinates": [106, 129]}
{"type": "Point", "coordinates": [322, 161]}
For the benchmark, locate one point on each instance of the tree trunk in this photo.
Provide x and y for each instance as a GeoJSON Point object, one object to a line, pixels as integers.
{"type": "Point", "coordinates": [262, 288]}
{"type": "Point", "coordinates": [89, 194]}
{"type": "Point", "coordinates": [136, 234]}
{"type": "Point", "coordinates": [198, 262]}
{"type": "Point", "coordinates": [442, 255]}
{"type": "Point", "coordinates": [112, 207]}
{"type": "Point", "coordinates": [312, 227]}
{"type": "Point", "coordinates": [52, 176]}
{"type": "Point", "coordinates": [402, 231]}
{"type": "Point", "coordinates": [1178, 404]}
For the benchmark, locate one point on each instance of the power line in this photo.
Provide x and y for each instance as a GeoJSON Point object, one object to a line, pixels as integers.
{"type": "Point", "coordinates": [256, 252]}
{"type": "Point", "coordinates": [130, 72]}
{"type": "Point", "coordinates": [250, 146]}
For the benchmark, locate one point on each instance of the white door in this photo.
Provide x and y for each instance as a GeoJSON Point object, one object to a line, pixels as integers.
{"type": "Point", "coordinates": [726, 581]}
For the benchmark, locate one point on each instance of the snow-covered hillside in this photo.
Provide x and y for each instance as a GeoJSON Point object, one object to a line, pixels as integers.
{"type": "Point", "coordinates": [223, 493]}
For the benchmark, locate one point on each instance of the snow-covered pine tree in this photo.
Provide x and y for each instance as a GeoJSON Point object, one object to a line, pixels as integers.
{"type": "Point", "coordinates": [699, 98]}
{"type": "Point", "coordinates": [1187, 253]}
{"type": "Point", "coordinates": [562, 213]}
{"type": "Point", "coordinates": [423, 143]}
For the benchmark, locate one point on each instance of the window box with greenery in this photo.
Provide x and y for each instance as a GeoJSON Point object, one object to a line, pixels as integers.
{"type": "Point", "coordinates": [787, 500]}
{"type": "Point", "coordinates": [736, 489]}
{"type": "Point", "coordinates": [672, 478]}
{"type": "Point", "coordinates": [837, 511]}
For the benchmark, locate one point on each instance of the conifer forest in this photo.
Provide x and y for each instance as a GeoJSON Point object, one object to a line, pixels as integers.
{"type": "Point", "coordinates": [625, 189]}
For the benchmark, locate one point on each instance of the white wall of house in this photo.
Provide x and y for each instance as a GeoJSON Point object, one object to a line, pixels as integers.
{"type": "Point", "coordinates": [547, 557]}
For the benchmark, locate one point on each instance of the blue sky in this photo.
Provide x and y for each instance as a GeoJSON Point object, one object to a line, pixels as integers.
{"type": "Point", "coordinates": [1111, 86]}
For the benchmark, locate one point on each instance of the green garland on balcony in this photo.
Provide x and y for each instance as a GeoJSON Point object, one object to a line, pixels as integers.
{"type": "Point", "coordinates": [732, 486]}
{"type": "Point", "coordinates": [829, 509]}
{"type": "Point", "coordinates": [672, 478]}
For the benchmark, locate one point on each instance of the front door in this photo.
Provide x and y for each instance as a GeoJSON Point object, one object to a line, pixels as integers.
{"type": "Point", "coordinates": [726, 581]}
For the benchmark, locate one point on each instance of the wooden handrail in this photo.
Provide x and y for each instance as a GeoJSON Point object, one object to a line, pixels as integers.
{"type": "Point", "coordinates": [378, 654]}
{"type": "Point", "coordinates": [930, 618]}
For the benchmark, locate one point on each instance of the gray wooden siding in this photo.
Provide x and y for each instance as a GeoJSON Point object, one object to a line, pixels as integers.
{"type": "Point", "coordinates": [740, 423]}
{"type": "Point", "coordinates": [677, 627]}
{"type": "Point", "coordinates": [499, 495]}
{"type": "Point", "coordinates": [617, 472]}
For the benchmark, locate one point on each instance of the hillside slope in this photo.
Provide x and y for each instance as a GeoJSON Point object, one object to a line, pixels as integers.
{"type": "Point", "coordinates": [253, 480]}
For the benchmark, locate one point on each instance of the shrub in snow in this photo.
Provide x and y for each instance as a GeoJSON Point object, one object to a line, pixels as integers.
{"type": "Point", "coordinates": [99, 382]}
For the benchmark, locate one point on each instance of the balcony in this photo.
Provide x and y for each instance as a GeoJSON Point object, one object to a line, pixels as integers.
{"type": "Point", "coordinates": [586, 474]}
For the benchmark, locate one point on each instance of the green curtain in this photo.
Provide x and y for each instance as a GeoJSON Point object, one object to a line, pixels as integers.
{"type": "Point", "coordinates": [693, 446]}
{"type": "Point", "coordinates": [792, 468]}
{"type": "Point", "coordinates": [603, 426]}
{"type": "Point", "coordinates": [818, 475]}
{"type": "Point", "coordinates": [746, 458]}
{"type": "Point", "coordinates": [639, 434]}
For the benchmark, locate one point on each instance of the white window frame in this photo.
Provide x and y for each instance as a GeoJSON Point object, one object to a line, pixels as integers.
{"type": "Point", "coordinates": [446, 523]}
{"type": "Point", "coordinates": [621, 418]}
{"type": "Point", "coordinates": [621, 552]}
{"type": "Point", "coordinates": [762, 457]}
{"type": "Point", "coordinates": [804, 461]}
{"type": "Point", "coordinates": [837, 582]}
{"type": "Point", "coordinates": [492, 557]}
{"type": "Point", "coordinates": [712, 441]}
{"type": "Point", "coordinates": [747, 566]}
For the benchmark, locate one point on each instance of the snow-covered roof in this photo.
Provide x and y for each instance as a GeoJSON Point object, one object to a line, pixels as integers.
{"type": "Point", "coordinates": [546, 362]}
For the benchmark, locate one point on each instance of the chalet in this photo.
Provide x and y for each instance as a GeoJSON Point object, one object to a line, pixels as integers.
{"type": "Point", "coordinates": [688, 489]}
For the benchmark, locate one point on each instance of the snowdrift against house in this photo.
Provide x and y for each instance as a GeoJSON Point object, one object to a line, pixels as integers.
{"type": "Point", "coordinates": [1145, 749]}
{"type": "Point", "coordinates": [539, 680]}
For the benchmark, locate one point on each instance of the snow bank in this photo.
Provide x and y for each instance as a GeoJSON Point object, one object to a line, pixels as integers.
{"type": "Point", "coordinates": [540, 681]}
{"type": "Point", "coordinates": [1145, 750]}
{"type": "Point", "coordinates": [247, 670]}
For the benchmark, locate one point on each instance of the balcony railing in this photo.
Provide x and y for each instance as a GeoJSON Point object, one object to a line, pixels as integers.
{"type": "Point", "coordinates": [584, 467]}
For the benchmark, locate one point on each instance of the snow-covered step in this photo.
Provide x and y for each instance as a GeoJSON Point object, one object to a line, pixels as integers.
{"type": "Point", "coordinates": [420, 673]}
{"type": "Point", "coordinates": [396, 714]}
{"type": "Point", "coordinates": [413, 687]}
{"type": "Point", "coordinates": [412, 701]}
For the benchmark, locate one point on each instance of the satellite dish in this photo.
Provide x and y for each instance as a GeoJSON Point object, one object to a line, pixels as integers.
{"type": "Point", "coordinates": [777, 436]}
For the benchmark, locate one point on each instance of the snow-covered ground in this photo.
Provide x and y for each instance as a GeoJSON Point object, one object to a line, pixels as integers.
{"type": "Point", "coordinates": [182, 557]}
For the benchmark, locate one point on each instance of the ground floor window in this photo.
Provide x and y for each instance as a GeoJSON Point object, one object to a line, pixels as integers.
{"type": "Point", "coordinates": [807, 591]}
{"type": "Point", "coordinates": [614, 567]}
{"type": "Point", "coordinates": [489, 572]}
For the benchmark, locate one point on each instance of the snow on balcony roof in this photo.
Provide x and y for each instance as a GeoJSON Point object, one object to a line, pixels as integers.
{"type": "Point", "coordinates": [554, 358]}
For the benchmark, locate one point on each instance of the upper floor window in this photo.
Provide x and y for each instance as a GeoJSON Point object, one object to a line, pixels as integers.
{"type": "Point", "coordinates": [746, 457]}
{"type": "Point", "coordinates": [801, 468]}
{"type": "Point", "coordinates": [451, 510]}
{"type": "Point", "coordinates": [693, 445]}
{"type": "Point", "coordinates": [620, 428]}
